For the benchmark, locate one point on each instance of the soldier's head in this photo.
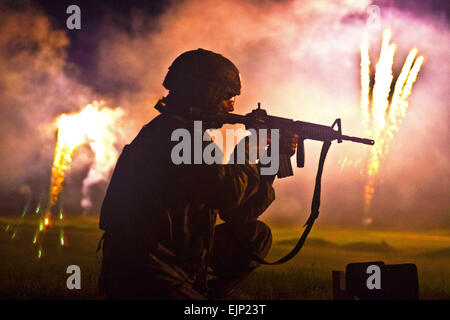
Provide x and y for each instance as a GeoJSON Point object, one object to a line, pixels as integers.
{"type": "Point", "coordinates": [203, 79]}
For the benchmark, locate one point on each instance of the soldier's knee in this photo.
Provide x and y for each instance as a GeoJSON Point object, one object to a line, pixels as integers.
{"type": "Point", "coordinates": [260, 243]}
{"type": "Point", "coordinates": [235, 244]}
{"type": "Point", "coordinates": [263, 238]}
{"type": "Point", "coordinates": [256, 233]}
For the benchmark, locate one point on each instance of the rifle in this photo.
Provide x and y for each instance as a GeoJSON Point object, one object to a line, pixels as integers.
{"type": "Point", "coordinates": [259, 118]}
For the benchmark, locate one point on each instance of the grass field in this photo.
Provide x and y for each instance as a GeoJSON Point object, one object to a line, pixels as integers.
{"type": "Point", "coordinates": [308, 276]}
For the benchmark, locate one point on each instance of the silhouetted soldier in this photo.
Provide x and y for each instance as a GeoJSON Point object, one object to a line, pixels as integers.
{"type": "Point", "coordinates": [160, 239]}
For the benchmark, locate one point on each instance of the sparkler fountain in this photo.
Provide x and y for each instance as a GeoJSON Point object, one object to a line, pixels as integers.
{"type": "Point", "coordinates": [382, 119]}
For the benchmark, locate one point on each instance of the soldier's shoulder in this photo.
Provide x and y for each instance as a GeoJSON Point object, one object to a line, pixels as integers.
{"type": "Point", "coordinates": [165, 121]}
{"type": "Point", "coordinates": [159, 128]}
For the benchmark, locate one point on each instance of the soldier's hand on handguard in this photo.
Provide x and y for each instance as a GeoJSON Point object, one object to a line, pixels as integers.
{"type": "Point", "coordinates": [288, 142]}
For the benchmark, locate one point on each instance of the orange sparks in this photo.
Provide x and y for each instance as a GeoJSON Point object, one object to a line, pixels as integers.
{"type": "Point", "coordinates": [69, 138]}
{"type": "Point", "coordinates": [91, 125]}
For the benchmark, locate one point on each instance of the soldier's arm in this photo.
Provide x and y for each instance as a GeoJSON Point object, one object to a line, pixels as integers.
{"type": "Point", "coordinates": [225, 187]}
{"type": "Point", "coordinates": [255, 205]}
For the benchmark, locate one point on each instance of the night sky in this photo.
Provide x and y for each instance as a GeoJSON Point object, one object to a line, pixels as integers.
{"type": "Point", "coordinates": [96, 13]}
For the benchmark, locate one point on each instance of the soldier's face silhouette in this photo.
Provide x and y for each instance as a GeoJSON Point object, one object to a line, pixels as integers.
{"type": "Point", "coordinates": [227, 105]}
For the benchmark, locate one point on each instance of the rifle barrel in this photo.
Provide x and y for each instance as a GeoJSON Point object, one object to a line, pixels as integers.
{"type": "Point", "coordinates": [359, 140]}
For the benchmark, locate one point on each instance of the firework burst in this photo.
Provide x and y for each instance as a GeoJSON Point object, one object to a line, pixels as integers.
{"type": "Point", "coordinates": [381, 118]}
{"type": "Point", "coordinates": [96, 126]}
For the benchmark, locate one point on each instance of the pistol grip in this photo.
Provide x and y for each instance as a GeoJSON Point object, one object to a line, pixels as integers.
{"type": "Point", "coordinates": [285, 168]}
{"type": "Point", "coordinates": [301, 153]}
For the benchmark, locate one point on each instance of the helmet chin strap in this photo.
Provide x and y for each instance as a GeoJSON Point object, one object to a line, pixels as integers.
{"type": "Point", "coordinates": [166, 105]}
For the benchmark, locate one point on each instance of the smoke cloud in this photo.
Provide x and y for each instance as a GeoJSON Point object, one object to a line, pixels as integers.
{"type": "Point", "coordinates": [300, 59]}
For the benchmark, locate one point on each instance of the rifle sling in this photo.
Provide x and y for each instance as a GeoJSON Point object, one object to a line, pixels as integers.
{"type": "Point", "coordinates": [313, 216]}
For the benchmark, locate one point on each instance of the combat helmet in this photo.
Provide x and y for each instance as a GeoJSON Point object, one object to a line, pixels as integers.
{"type": "Point", "coordinates": [204, 73]}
